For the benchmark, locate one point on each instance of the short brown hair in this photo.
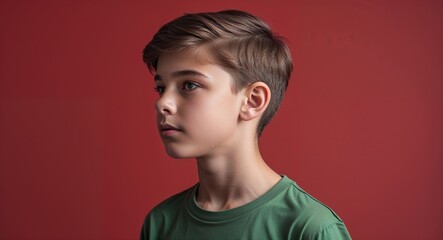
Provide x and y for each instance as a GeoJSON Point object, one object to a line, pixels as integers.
{"type": "Point", "coordinates": [242, 43]}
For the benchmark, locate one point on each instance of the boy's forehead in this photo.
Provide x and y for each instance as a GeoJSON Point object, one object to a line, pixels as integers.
{"type": "Point", "coordinates": [194, 58]}
{"type": "Point", "coordinates": [193, 62]}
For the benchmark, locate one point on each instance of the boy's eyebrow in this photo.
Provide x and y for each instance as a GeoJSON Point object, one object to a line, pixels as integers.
{"type": "Point", "coordinates": [182, 73]}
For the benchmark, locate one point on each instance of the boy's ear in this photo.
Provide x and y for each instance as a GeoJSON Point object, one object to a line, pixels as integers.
{"type": "Point", "coordinates": [257, 100]}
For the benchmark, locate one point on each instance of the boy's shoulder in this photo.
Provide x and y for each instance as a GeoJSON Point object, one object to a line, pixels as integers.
{"type": "Point", "coordinates": [309, 204]}
{"type": "Point", "coordinates": [172, 204]}
{"type": "Point", "coordinates": [312, 215]}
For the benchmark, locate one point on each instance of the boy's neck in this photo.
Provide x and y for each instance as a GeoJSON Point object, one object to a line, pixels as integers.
{"type": "Point", "coordinates": [229, 181]}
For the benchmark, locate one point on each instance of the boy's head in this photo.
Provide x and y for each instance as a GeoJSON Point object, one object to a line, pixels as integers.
{"type": "Point", "coordinates": [241, 43]}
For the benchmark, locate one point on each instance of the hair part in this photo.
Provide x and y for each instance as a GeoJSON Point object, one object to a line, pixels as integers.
{"type": "Point", "coordinates": [241, 43]}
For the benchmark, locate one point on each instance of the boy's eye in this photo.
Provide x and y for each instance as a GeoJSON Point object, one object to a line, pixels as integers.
{"type": "Point", "coordinates": [189, 86]}
{"type": "Point", "coordinates": [159, 89]}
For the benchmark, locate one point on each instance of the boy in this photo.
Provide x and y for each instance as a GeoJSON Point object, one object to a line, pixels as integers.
{"type": "Point", "coordinates": [220, 78]}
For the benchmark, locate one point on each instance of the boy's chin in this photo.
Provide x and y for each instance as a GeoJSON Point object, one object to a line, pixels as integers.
{"type": "Point", "coordinates": [178, 154]}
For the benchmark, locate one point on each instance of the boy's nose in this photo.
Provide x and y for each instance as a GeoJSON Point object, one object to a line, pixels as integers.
{"type": "Point", "coordinates": [166, 105]}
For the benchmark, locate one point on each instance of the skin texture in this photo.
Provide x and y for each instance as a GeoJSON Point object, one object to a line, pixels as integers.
{"type": "Point", "coordinates": [200, 116]}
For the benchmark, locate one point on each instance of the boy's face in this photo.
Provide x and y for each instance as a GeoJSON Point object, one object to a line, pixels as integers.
{"type": "Point", "coordinates": [197, 111]}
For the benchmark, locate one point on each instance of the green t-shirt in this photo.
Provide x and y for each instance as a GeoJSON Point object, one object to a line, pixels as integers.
{"type": "Point", "coordinates": [284, 212]}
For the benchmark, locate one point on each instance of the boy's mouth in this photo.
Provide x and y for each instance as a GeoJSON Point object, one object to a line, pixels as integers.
{"type": "Point", "coordinates": [167, 129]}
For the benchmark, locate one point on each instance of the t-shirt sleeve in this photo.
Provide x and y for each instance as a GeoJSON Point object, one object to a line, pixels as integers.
{"type": "Point", "coordinates": [149, 228]}
{"type": "Point", "coordinates": [144, 233]}
{"type": "Point", "coordinates": [335, 231]}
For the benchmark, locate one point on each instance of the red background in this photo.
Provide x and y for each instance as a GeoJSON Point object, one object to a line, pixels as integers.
{"type": "Point", "coordinates": [361, 126]}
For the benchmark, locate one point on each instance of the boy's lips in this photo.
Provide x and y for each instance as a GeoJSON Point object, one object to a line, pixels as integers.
{"type": "Point", "coordinates": [167, 129]}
